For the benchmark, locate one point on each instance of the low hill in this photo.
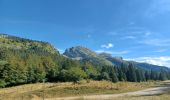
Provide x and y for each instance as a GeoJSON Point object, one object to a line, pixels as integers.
{"type": "Point", "coordinates": [12, 42]}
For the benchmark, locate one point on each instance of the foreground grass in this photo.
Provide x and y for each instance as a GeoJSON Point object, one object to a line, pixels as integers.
{"type": "Point", "coordinates": [55, 90]}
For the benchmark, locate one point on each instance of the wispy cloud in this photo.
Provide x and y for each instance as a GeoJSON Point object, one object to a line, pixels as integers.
{"type": "Point", "coordinates": [161, 61]}
{"type": "Point", "coordinates": [113, 52]}
{"type": "Point", "coordinates": [148, 33]}
{"type": "Point", "coordinates": [158, 7]}
{"type": "Point", "coordinates": [113, 33]}
{"type": "Point", "coordinates": [121, 52]}
{"type": "Point", "coordinates": [131, 23]}
{"type": "Point", "coordinates": [129, 37]}
{"type": "Point", "coordinates": [107, 46]}
{"type": "Point", "coordinates": [103, 51]}
{"type": "Point", "coordinates": [131, 32]}
{"type": "Point", "coordinates": [156, 42]}
{"type": "Point", "coordinates": [160, 51]}
{"type": "Point", "coordinates": [88, 36]}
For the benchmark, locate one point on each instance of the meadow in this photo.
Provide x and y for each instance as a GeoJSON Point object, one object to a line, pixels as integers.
{"type": "Point", "coordinates": [69, 89]}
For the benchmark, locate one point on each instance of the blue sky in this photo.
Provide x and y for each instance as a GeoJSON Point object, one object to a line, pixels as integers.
{"type": "Point", "coordinates": [134, 29]}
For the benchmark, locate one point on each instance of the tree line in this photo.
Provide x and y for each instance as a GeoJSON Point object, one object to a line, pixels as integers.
{"type": "Point", "coordinates": [22, 66]}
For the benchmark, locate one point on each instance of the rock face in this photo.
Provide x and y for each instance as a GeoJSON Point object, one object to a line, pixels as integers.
{"type": "Point", "coordinates": [83, 53]}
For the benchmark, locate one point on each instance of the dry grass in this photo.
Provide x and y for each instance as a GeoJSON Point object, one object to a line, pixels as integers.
{"type": "Point", "coordinates": [52, 90]}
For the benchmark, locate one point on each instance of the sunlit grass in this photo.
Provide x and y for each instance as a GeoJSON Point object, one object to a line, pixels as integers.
{"type": "Point", "coordinates": [52, 90]}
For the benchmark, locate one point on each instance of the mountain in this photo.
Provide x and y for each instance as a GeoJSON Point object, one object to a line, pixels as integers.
{"type": "Point", "coordinates": [82, 53]}
{"type": "Point", "coordinates": [25, 61]}
{"type": "Point", "coordinates": [145, 66]}
{"type": "Point", "coordinates": [13, 42]}
{"type": "Point", "coordinates": [115, 60]}
{"type": "Point", "coordinates": [151, 67]}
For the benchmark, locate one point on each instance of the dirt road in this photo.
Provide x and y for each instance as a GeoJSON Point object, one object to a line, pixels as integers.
{"type": "Point", "coordinates": [150, 91]}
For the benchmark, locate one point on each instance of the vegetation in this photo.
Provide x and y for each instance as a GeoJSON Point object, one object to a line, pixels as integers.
{"type": "Point", "coordinates": [67, 89]}
{"type": "Point", "coordinates": [25, 61]}
{"type": "Point", "coordinates": [82, 53]}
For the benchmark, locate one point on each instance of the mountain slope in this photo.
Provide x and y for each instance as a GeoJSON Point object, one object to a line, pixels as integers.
{"type": "Point", "coordinates": [152, 67]}
{"type": "Point", "coordinates": [145, 66]}
{"type": "Point", "coordinates": [114, 60]}
{"type": "Point", "coordinates": [13, 42]}
{"type": "Point", "coordinates": [81, 53]}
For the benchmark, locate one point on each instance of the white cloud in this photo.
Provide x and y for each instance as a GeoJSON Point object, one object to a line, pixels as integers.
{"type": "Point", "coordinates": [113, 52]}
{"type": "Point", "coordinates": [161, 61]}
{"type": "Point", "coordinates": [156, 42]}
{"type": "Point", "coordinates": [107, 46]}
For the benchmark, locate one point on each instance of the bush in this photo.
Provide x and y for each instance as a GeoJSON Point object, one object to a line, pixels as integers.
{"type": "Point", "coordinates": [2, 83]}
{"type": "Point", "coordinates": [76, 74]}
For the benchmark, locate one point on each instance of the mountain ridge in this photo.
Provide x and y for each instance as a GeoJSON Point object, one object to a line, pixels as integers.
{"type": "Point", "coordinates": [107, 57]}
{"type": "Point", "coordinates": [85, 53]}
{"type": "Point", "coordinates": [75, 53]}
{"type": "Point", "coordinates": [25, 61]}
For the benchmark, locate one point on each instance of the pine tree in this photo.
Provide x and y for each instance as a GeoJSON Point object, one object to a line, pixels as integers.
{"type": "Point", "coordinates": [131, 73]}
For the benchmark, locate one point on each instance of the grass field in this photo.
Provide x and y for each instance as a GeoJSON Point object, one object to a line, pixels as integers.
{"type": "Point", "coordinates": [52, 90]}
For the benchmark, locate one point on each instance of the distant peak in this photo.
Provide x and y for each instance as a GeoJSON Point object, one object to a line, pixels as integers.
{"type": "Point", "coordinates": [80, 47]}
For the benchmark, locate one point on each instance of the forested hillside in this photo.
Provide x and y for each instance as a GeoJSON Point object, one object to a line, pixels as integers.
{"type": "Point", "coordinates": [25, 61]}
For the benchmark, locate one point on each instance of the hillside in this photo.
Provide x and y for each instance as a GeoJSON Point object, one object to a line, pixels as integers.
{"type": "Point", "coordinates": [27, 61]}
{"type": "Point", "coordinates": [13, 42]}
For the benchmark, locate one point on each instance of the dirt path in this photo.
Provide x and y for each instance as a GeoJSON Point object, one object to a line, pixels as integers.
{"type": "Point", "coordinates": [150, 91]}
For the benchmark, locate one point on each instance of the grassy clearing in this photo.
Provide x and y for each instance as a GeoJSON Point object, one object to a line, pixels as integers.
{"type": "Point", "coordinates": [52, 90]}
